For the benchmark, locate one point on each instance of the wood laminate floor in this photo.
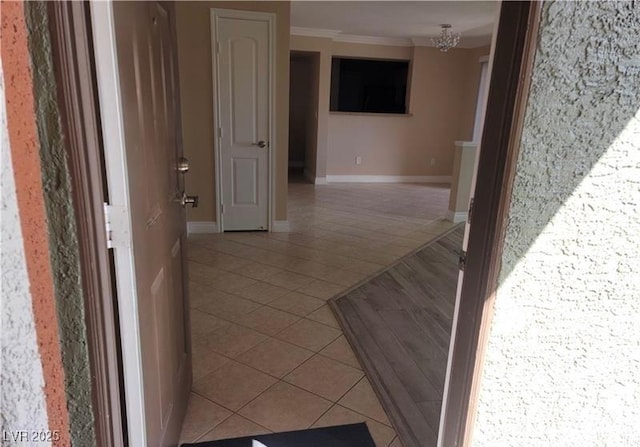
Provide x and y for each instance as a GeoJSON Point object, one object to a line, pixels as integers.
{"type": "Point", "coordinates": [399, 324]}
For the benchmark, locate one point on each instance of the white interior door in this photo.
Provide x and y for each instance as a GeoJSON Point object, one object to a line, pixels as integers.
{"type": "Point", "coordinates": [242, 71]}
{"type": "Point", "coordinates": [138, 99]}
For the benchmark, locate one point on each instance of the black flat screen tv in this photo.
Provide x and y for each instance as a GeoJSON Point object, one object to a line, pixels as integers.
{"type": "Point", "coordinates": [368, 85]}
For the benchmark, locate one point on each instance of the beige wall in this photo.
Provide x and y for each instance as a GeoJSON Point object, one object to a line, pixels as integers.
{"type": "Point", "coordinates": [372, 51]}
{"type": "Point", "coordinates": [196, 89]}
{"type": "Point", "coordinates": [442, 102]}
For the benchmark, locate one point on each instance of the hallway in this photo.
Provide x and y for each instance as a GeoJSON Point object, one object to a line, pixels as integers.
{"type": "Point", "coordinates": [268, 354]}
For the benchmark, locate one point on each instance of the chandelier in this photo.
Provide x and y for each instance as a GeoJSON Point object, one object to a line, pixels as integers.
{"type": "Point", "coordinates": [446, 40]}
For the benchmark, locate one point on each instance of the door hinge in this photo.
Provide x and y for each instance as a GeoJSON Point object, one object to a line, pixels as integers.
{"type": "Point", "coordinates": [462, 260]}
{"type": "Point", "coordinates": [116, 226]}
{"type": "Point", "coordinates": [220, 132]}
{"type": "Point", "coordinates": [222, 208]}
{"type": "Point", "coordinates": [107, 225]}
{"type": "Point", "coordinates": [470, 213]}
{"type": "Point", "coordinates": [217, 47]}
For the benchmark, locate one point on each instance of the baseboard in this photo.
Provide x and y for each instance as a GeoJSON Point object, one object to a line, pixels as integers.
{"type": "Point", "coordinates": [388, 179]}
{"type": "Point", "coordinates": [280, 226]}
{"type": "Point", "coordinates": [310, 176]}
{"type": "Point", "coordinates": [201, 227]}
{"type": "Point", "coordinates": [457, 217]}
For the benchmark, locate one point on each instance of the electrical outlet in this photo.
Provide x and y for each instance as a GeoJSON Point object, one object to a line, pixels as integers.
{"type": "Point", "coordinates": [433, 161]}
{"type": "Point", "coordinates": [358, 160]}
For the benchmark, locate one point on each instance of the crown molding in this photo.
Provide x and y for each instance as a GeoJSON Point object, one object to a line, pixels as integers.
{"type": "Point", "coordinates": [314, 32]}
{"type": "Point", "coordinates": [373, 40]}
{"type": "Point", "coordinates": [420, 41]}
{"type": "Point", "coordinates": [465, 42]}
{"type": "Point", "coordinates": [338, 36]}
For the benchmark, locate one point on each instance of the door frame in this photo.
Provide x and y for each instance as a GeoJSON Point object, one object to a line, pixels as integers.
{"type": "Point", "coordinates": [314, 59]}
{"type": "Point", "coordinates": [72, 56]}
{"type": "Point", "coordinates": [270, 18]}
{"type": "Point", "coordinates": [505, 112]}
{"type": "Point", "coordinates": [516, 43]}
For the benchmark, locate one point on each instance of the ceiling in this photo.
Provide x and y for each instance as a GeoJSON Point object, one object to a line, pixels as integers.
{"type": "Point", "coordinates": [400, 20]}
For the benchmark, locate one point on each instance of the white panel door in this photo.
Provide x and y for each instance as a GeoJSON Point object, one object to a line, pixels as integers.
{"type": "Point", "coordinates": [242, 53]}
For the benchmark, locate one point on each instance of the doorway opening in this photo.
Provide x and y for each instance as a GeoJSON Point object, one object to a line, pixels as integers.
{"type": "Point", "coordinates": [304, 69]}
{"type": "Point", "coordinates": [260, 323]}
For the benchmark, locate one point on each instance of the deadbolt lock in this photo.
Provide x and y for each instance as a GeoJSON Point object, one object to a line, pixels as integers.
{"type": "Point", "coordinates": [185, 200]}
{"type": "Point", "coordinates": [183, 165]}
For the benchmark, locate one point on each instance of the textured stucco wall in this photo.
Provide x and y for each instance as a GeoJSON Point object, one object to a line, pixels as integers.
{"type": "Point", "coordinates": [562, 366]}
{"type": "Point", "coordinates": [22, 401]}
{"type": "Point", "coordinates": [24, 147]}
{"type": "Point", "coordinates": [61, 225]}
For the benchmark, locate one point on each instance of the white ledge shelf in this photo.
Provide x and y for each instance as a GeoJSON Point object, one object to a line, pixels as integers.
{"type": "Point", "coordinates": [405, 115]}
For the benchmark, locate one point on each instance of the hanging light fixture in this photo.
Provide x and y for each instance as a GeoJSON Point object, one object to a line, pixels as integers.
{"type": "Point", "coordinates": [446, 40]}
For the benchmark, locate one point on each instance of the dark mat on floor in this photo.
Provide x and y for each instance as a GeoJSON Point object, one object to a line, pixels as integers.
{"type": "Point", "coordinates": [352, 435]}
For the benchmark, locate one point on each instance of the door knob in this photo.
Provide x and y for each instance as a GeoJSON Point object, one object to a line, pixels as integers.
{"type": "Point", "coordinates": [183, 165]}
{"type": "Point", "coordinates": [261, 144]}
{"type": "Point", "coordinates": [185, 200]}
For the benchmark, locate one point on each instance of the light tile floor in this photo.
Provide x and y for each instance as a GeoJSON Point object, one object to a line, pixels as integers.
{"type": "Point", "coordinates": [268, 354]}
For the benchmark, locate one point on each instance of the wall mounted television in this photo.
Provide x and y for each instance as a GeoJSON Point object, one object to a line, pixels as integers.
{"type": "Point", "coordinates": [368, 85]}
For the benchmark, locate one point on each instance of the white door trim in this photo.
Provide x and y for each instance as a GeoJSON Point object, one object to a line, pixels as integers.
{"type": "Point", "coordinates": [465, 240]}
{"type": "Point", "coordinates": [108, 80]}
{"type": "Point", "coordinates": [270, 18]}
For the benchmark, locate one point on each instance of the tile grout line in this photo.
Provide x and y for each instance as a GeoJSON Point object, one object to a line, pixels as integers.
{"type": "Point", "coordinates": [291, 243]}
{"type": "Point", "coordinates": [281, 379]}
{"type": "Point", "coordinates": [227, 320]}
{"type": "Point", "coordinates": [281, 268]}
{"type": "Point", "coordinates": [332, 230]}
{"type": "Point", "coordinates": [326, 302]}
